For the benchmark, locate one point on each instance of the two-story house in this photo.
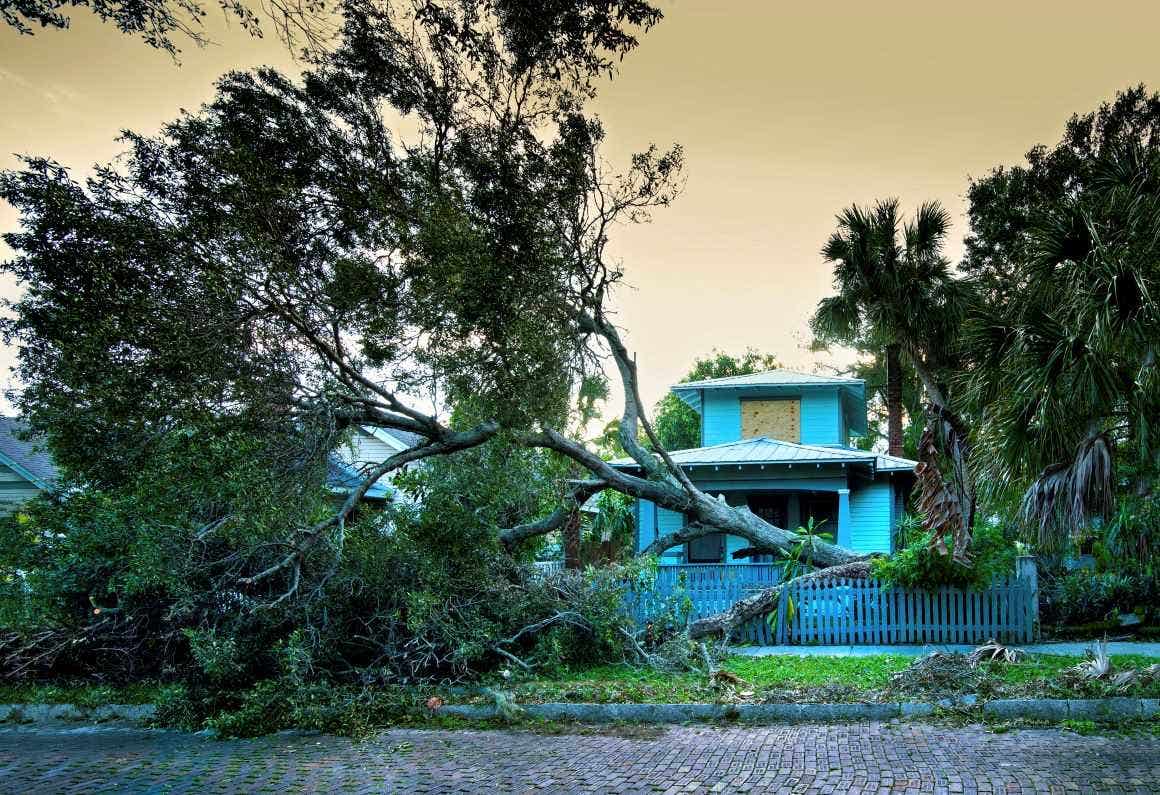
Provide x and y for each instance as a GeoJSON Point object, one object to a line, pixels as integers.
{"type": "Point", "coordinates": [778, 443]}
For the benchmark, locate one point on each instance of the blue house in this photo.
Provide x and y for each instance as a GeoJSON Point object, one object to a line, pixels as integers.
{"type": "Point", "coordinates": [778, 443]}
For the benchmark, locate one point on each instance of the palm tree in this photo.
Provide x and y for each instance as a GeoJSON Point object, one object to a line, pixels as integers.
{"type": "Point", "coordinates": [894, 294]}
{"type": "Point", "coordinates": [1063, 371]}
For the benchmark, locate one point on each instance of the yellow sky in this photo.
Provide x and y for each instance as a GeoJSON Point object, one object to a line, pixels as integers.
{"type": "Point", "coordinates": [788, 112]}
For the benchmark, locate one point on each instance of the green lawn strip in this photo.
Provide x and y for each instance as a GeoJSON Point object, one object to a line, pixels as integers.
{"type": "Point", "coordinates": [806, 679]}
{"type": "Point", "coordinates": [84, 694]}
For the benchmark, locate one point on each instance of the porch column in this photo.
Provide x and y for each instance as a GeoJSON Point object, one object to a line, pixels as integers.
{"type": "Point", "coordinates": [845, 528]}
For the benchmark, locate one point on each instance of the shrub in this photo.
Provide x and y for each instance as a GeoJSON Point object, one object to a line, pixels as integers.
{"type": "Point", "coordinates": [1085, 597]}
{"type": "Point", "coordinates": [917, 566]}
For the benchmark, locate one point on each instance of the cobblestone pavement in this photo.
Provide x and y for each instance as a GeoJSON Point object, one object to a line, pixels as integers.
{"type": "Point", "coordinates": [840, 758]}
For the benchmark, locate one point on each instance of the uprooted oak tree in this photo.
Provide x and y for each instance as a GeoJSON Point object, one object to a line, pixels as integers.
{"type": "Point", "coordinates": [420, 221]}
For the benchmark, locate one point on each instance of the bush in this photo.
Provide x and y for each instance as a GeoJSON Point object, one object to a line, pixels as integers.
{"type": "Point", "coordinates": [1085, 597]}
{"type": "Point", "coordinates": [917, 566]}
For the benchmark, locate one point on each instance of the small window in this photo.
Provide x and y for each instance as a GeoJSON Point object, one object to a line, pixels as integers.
{"type": "Point", "coordinates": [707, 549]}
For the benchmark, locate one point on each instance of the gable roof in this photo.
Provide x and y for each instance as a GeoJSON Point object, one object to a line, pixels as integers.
{"type": "Point", "coordinates": [27, 457]}
{"type": "Point", "coordinates": [343, 478]}
{"type": "Point", "coordinates": [763, 450]}
{"type": "Point", "coordinates": [400, 440]}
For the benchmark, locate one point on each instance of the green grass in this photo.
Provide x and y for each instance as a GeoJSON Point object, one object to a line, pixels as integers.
{"type": "Point", "coordinates": [83, 694]}
{"type": "Point", "coordinates": [841, 678]}
{"type": "Point", "coordinates": [804, 679]}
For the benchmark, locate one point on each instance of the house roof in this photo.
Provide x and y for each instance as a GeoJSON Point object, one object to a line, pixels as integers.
{"type": "Point", "coordinates": [781, 383]}
{"type": "Point", "coordinates": [396, 438]}
{"type": "Point", "coordinates": [343, 478]}
{"type": "Point", "coordinates": [763, 450]}
{"type": "Point", "coordinates": [778, 377]}
{"type": "Point", "coordinates": [27, 457]}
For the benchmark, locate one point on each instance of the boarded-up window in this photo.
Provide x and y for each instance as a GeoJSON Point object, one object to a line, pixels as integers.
{"type": "Point", "coordinates": [777, 419]}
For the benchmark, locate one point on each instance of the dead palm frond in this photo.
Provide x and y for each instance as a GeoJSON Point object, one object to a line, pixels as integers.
{"type": "Point", "coordinates": [941, 509]}
{"type": "Point", "coordinates": [993, 650]}
{"type": "Point", "coordinates": [1066, 496]}
{"type": "Point", "coordinates": [1098, 662]}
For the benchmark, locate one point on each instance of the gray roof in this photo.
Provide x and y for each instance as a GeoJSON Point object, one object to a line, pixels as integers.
{"type": "Point", "coordinates": [28, 457]}
{"type": "Point", "coordinates": [345, 478]}
{"type": "Point", "coordinates": [893, 463]}
{"type": "Point", "coordinates": [778, 377]}
{"type": "Point", "coordinates": [763, 450]}
{"type": "Point", "coordinates": [409, 438]}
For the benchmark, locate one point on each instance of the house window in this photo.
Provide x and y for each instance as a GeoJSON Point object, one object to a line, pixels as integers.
{"type": "Point", "coordinates": [777, 419]}
{"type": "Point", "coordinates": [707, 549]}
{"type": "Point", "coordinates": [823, 507]}
{"type": "Point", "coordinates": [773, 508]}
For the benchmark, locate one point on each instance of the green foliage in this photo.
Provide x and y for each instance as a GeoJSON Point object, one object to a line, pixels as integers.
{"type": "Point", "coordinates": [917, 566]}
{"type": "Point", "coordinates": [677, 426]}
{"type": "Point", "coordinates": [1060, 344]}
{"type": "Point", "coordinates": [155, 543]}
{"type": "Point", "coordinates": [1085, 597]}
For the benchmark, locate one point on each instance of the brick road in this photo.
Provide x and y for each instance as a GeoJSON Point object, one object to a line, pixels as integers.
{"type": "Point", "coordinates": [841, 758]}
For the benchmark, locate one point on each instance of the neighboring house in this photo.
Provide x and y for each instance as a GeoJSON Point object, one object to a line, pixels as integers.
{"type": "Point", "coordinates": [26, 468]}
{"type": "Point", "coordinates": [368, 447]}
{"type": "Point", "coordinates": [778, 443]}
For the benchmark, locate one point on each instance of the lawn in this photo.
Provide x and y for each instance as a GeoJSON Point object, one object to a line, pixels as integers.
{"type": "Point", "coordinates": [758, 679]}
{"type": "Point", "coordinates": [808, 679]}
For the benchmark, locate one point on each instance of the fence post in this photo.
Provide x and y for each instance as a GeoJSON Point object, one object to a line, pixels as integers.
{"type": "Point", "coordinates": [1028, 576]}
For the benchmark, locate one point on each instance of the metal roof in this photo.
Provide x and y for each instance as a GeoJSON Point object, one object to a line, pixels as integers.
{"type": "Point", "coordinates": [778, 377]}
{"type": "Point", "coordinates": [778, 383]}
{"type": "Point", "coordinates": [893, 463]}
{"type": "Point", "coordinates": [28, 457]}
{"type": "Point", "coordinates": [344, 478]}
{"type": "Point", "coordinates": [763, 450]}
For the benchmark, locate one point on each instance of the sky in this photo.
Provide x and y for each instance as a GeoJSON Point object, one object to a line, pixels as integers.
{"type": "Point", "coordinates": [788, 112]}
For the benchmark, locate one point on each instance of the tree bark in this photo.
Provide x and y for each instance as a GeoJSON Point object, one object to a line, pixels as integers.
{"type": "Point", "coordinates": [572, 540]}
{"type": "Point", "coordinates": [894, 399]}
{"type": "Point", "coordinates": [765, 601]}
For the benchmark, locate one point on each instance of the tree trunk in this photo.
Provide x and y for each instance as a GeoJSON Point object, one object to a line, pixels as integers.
{"type": "Point", "coordinates": [572, 540]}
{"type": "Point", "coordinates": [894, 399]}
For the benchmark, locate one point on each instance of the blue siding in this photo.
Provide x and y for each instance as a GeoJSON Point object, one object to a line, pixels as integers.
{"type": "Point", "coordinates": [871, 507]}
{"type": "Point", "coordinates": [653, 522]}
{"type": "Point", "coordinates": [722, 419]}
{"type": "Point", "coordinates": [646, 527]}
{"type": "Point", "coordinates": [821, 417]}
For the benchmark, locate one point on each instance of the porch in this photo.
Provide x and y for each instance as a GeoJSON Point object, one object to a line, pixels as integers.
{"type": "Point", "coordinates": [829, 506]}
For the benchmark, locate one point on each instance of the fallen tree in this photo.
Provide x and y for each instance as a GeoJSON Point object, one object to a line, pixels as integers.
{"type": "Point", "coordinates": [294, 257]}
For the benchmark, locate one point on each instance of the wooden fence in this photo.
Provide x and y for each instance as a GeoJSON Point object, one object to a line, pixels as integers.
{"type": "Point", "coordinates": [855, 612]}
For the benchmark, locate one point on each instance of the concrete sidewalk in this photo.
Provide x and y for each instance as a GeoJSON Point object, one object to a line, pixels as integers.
{"type": "Point", "coordinates": [1070, 648]}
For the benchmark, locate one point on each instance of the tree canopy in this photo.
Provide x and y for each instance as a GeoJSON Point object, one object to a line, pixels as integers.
{"type": "Point", "coordinates": [1060, 347]}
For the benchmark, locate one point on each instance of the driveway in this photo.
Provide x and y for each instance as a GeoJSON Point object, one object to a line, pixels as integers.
{"type": "Point", "coordinates": [869, 757]}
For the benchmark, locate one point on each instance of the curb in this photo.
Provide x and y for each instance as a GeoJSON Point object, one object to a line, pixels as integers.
{"type": "Point", "coordinates": [1108, 709]}
{"type": "Point", "coordinates": [685, 713]}
{"type": "Point", "coordinates": [50, 713]}
{"type": "Point", "coordinates": [1049, 709]}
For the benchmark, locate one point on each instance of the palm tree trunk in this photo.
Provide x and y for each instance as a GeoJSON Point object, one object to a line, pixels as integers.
{"type": "Point", "coordinates": [894, 399]}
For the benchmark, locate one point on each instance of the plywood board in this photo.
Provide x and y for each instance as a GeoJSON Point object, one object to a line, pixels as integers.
{"type": "Point", "coordinates": [777, 419]}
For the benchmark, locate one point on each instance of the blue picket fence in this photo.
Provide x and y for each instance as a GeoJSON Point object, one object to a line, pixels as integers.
{"type": "Point", "coordinates": [853, 612]}
{"type": "Point", "coordinates": [711, 587]}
